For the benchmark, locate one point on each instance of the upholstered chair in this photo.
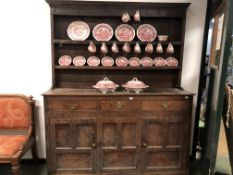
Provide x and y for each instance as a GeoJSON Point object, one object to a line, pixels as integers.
{"type": "Point", "coordinates": [17, 129]}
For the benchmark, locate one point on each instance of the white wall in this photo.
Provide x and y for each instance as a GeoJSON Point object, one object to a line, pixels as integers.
{"type": "Point", "coordinates": [25, 52]}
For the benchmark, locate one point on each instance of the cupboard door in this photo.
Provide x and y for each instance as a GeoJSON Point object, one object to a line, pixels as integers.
{"type": "Point", "coordinates": [162, 141]}
{"type": "Point", "coordinates": [74, 145]}
{"type": "Point", "coordinates": [118, 137]}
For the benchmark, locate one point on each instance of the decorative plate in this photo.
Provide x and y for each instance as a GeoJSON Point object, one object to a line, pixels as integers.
{"type": "Point", "coordinates": [107, 61]}
{"type": "Point", "coordinates": [122, 61]}
{"type": "Point", "coordinates": [65, 60]}
{"type": "Point", "coordinates": [146, 62]}
{"type": "Point", "coordinates": [172, 61]}
{"type": "Point", "coordinates": [159, 61]}
{"type": "Point", "coordinates": [78, 30]}
{"type": "Point", "coordinates": [125, 32]}
{"type": "Point", "coordinates": [79, 60]}
{"type": "Point", "coordinates": [146, 33]}
{"type": "Point", "coordinates": [102, 32]}
{"type": "Point", "coordinates": [93, 61]}
{"type": "Point", "coordinates": [134, 61]}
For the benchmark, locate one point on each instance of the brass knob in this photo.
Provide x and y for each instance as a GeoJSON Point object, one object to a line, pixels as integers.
{"type": "Point", "coordinates": [73, 107]}
{"type": "Point", "coordinates": [93, 145]}
{"type": "Point", "coordinates": [144, 144]}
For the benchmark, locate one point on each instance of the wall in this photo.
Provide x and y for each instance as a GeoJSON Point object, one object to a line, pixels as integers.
{"type": "Point", "coordinates": [25, 52]}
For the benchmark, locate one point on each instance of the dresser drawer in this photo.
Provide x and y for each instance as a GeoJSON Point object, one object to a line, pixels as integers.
{"type": "Point", "coordinates": [71, 104]}
{"type": "Point", "coordinates": [120, 105]}
{"type": "Point", "coordinates": [166, 105]}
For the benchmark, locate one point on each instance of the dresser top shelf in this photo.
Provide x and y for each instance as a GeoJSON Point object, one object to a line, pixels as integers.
{"type": "Point", "coordinates": [94, 92]}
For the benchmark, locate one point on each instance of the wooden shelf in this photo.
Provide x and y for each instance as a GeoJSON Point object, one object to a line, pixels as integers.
{"type": "Point", "coordinates": [118, 68]}
{"type": "Point", "coordinates": [86, 42]}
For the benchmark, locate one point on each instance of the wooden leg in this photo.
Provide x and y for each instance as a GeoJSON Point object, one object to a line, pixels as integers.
{"type": "Point", "coordinates": [34, 152]}
{"type": "Point", "coordinates": [15, 169]}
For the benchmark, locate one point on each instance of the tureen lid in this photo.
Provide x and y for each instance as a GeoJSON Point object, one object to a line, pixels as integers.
{"type": "Point", "coordinates": [135, 83]}
{"type": "Point", "coordinates": [105, 83]}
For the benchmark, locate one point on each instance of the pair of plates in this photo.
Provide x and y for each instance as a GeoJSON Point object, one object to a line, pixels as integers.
{"type": "Point", "coordinates": [66, 60]}
{"type": "Point", "coordinates": [80, 31]}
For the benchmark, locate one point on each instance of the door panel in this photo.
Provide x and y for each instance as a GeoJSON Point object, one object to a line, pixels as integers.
{"type": "Point", "coordinates": [162, 141]}
{"type": "Point", "coordinates": [119, 147]}
{"type": "Point", "coordinates": [74, 149]}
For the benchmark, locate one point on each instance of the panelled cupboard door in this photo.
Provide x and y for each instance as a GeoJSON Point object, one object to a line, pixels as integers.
{"type": "Point", "coordinates": [162, 141]}
{"type": "Point", "coordinates": [74, 146]}
{"type": "Point", "coordinates": [119, 141]}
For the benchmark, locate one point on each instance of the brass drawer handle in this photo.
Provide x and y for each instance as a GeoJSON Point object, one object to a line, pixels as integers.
{"type": "Point", "coordinates": [164, 105]}
{"type": "Point", "coordinates": [119, 105]}
{"type": "Point", "coordinates": [73, 107]}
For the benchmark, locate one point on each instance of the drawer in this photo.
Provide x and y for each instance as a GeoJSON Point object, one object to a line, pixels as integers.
{"type": "Point", "coordinates": [166, 105]}
{"type": "Point", "coordinates": [71, 104]}
{"type": "Point", "coordinates": [120, 105]}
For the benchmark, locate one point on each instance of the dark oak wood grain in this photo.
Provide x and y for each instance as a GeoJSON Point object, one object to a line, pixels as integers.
{"type": "Point", "coordinates": [88, 132]}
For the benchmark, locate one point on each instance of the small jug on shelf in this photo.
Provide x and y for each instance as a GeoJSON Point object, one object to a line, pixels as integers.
{"type": "Point", "coordinates": [137, 16]}
{"type": "Point", "coordinates": [104, 48]}
{"type": "Point", "coordinates": [125, 17]}
{"type": "Point", "coordinates": [114, 47]}
{"type": "Point", "coordinates": [91, 48]}
{"type": "Point", "coordinates": [149, 48]}
{"type": "Point", "coordinates": [126, 47]}
{"type": "Point", "coordinates": [137, 48]}
{"type": "Point", "coordinates": [170, 48]}
{"type": "Point", "coordinates": [159, 48]}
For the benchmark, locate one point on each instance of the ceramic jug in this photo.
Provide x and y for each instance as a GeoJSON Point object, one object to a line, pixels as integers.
{"type": "Point", "coordinates": [125, 17]}
{"type": "Point", "coordinates": [137, 16]}
{"type": "Point", "coordinates": [104, 48]}
{"type": "Point", "coordinates": [91, 48]}
{"type": "Point", "coordinates": [114, 47]}
{"type": "Point", "coordinates": [126, 47]}
{"type": "Point", "coordinates": [149, 48]}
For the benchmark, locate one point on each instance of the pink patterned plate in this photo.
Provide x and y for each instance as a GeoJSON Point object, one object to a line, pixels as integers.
{"type": "Point", "coordinates": [79, 60]}
{"type": "Point", "coordinates": [134, 62]}
{"type": "Point", "coordinates": [78, 30]}
{"type": "Point", "coordinates": [107, 61]}
{"type": "Point", "coordinates": [159, 61]}
{"type": "Point", "coordinates": [125, 32]}
{"type": "Point", "coordinates": [102, 32]}
{"type": "Point", "coordinates": [65, 60]}
{"type": "Point", "coordinates": [122, 61]}
{"type": "Point", "coordinates": [146, 62]}
{"type": "Point", "coordinates": [172, 61]}
{"type": "Point", "coordinates": [93, 61]}
{"type": "Point", "coordinates": [146, 33]}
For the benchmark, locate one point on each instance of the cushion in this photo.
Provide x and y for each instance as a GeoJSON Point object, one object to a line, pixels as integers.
{"type": "Point", "coordinates": [14, 113]}
{"type": "Point", "coordinates": [10, 144]}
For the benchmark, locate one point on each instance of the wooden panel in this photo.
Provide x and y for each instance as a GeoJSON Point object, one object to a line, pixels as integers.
{"type": "Point", "coordinates": [74, 161]}
{"type": "Point", "coordinates": [63, 135]}
{"type": "Point", "coordinates": [109, 135]}
{"type": "Point", "coordinates": [158, 160]}
{"type": "Point", "coordinates": [121, 105]}
{"type": "Point", "coordinates": [174, 132]}
{"type": "Point", "coordinates": [129, 133]}
{"type": "Point", "coordinates": [165, 105]}
{"type": "Point", "coordinates": [154, 132]}
{"type": "Point", "coordinates": [71, 104]}
{"type": "Point", "coordinates": [119, 160]}
{"type": "Point", "coordinates": [85, 135]}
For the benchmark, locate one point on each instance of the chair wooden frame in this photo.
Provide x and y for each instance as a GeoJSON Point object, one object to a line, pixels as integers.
{"type": "Point", "coordinates": [30, 142]}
